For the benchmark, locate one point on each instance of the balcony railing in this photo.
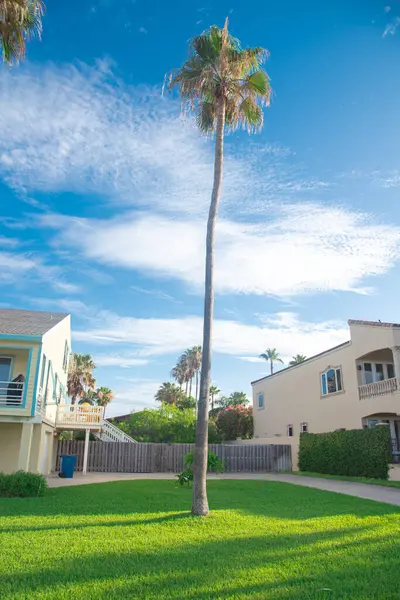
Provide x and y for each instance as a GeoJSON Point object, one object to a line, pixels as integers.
{"type": "Point", "coordinates": [379, 388]}
{"type": "Point", "coordinates": [75, 416]}
{"type": "Point", "coordinates": [11, 394]}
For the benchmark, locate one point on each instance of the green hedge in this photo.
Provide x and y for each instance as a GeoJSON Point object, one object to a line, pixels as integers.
{"type": "Point", "coordinates": [354, 452]}
{"type": "Point", "coordinates": [22, 485]}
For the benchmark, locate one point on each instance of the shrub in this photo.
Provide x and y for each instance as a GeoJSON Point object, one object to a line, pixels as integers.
{"type": "Point", "coordinates": [213, 464]}
{"type": "Point", "coordinates": [353, 453]}
{"type": "Point", "coordinates": [235, 421]}
{"type": "Point", "coordinates": [22, 485]}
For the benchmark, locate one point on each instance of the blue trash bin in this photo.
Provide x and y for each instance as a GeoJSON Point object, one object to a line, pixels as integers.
{"type": "Point", "coordinates": [67, 466]}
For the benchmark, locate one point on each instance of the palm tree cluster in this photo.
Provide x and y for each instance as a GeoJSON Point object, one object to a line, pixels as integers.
{"type": "Point", "coordinates": [81, 383]}
{"type": "Point", "coordinates": [19, 21]}
{"type": "Point", "coordinates": [272, 356]}
{"type": "Point", "coordinates": [187, 369]}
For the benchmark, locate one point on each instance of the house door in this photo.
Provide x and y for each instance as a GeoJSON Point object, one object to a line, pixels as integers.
{"type": "Point", "coordinates": [45, 455]}
{"type": "Point", "coordinates": [5, 374]}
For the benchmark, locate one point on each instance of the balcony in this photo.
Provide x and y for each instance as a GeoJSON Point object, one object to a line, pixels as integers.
{"type": "Point", "coordinates": [379, 388]}
{"type": "Point", "coordinates": [12, 394]}
{"type": "Point", "coordinates": [75, 416]}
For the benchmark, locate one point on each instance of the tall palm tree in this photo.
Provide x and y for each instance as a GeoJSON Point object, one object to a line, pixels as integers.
{"type": "Point", "coordinates": [225, 87]}
{"type": "Point", "coordinates": [272, 356]}
{"type": "Point", "coordinates": [299, 358]}
{"type": "Point", "coordinates": [80, 376]}
{"type": "Point", "coordinates": [169, 393]}
{"type": "Point", "coordinates": [19, 21]}
{"type": "Point", "coordinates": [214, 391]}
{"type": "Point", "coordinates": [195, 359]}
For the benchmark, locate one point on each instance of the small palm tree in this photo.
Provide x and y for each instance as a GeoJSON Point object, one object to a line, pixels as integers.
{"type": "Point", "coordinates": [19, 21]}
{"type": "Point", "coordinates": [272, 356]}
{"type": "Point", "coordinates": [214, 391]}
{"type": "Point", "coordinates": [80, 377]}
{"type": "Point", "coordinates": [299, 358]}
{"type": "Point", "coordinates": [224, 85]}
{"type": "Point", "coordinates": [179, 373]}
{"type": "Point", "coordinates": [169, 393]}
{"type": "Point", "coordinates": [238, 399]}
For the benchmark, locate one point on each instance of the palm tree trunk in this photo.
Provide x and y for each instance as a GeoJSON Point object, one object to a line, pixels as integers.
{"type": "Point", "coordinates": [200, 501]}
{"type": "Point", "coordinates": [212, 402]}
{"type": "Point", "coordinates": [272, 366]}
{"type": "Point", "coordinates": [197, 385]}
{"type": "Point", "coordinates": [190, 386]}
{"type": "Point", "coordinates": [187, 383]}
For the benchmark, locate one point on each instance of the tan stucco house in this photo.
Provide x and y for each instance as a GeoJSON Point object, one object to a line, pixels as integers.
{"type": "Point", "coordinates": [351, 386]}
{"type": "Point", "coordinates": [34, 407]}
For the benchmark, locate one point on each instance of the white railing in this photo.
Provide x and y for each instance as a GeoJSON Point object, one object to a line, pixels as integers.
{"type": "Point", "coordinates": [77, 416]}
{"type": "Point", "coordinates": [11, 394]}
{"type": "Point", "coordinates": [379, 388]}
{"type": "Point", "coordinates": [110, 433]}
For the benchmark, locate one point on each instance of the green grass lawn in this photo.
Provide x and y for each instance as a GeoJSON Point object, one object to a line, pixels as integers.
{"type": "Point", "coordinates": [383, 482]}
{"type": "Point", "coordinates": [136, 540]}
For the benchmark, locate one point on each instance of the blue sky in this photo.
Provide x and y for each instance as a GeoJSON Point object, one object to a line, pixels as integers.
{"type": "Point", "coordinates": [105, 187]}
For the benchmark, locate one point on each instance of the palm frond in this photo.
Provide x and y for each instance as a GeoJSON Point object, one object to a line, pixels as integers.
{"type": "Point", "coordinates": [251, 115]}
{"type": "Point", "coordinates": [206, 116]}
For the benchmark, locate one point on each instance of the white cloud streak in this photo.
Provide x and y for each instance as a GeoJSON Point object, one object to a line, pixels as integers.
{"type": "Point", "coordinates": [391, 27]}
{"type": "Point", "coordinates": [80, 129]}
{"type": "Point", "coordinates": [298, 249]}
{"type": "Point", "coordinates": [155, 337]}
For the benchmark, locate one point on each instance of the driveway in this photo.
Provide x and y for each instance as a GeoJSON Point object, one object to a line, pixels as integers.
{"type": "Point", "coordinates": [361, 490]}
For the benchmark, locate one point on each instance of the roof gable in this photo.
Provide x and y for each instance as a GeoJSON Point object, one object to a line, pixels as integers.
{"type": "Point", "coordinates": [28, 322]}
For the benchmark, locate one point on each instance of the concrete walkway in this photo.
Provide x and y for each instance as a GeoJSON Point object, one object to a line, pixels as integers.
{"type": "Point", "coordinates": [361, 490]}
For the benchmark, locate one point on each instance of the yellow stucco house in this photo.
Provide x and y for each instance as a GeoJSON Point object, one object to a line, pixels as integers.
{"type": "Point", "coordinates": [34, 407]}
{"type": "Point", "coordinates": [351, 386]}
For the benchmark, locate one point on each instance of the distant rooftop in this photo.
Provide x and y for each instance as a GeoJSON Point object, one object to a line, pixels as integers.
{"type": "Point", "coordinates": [28, 322]}
{"type": "Point", "coordinates": [372, 323]}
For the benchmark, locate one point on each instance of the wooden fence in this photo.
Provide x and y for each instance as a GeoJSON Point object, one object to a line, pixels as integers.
{"type": "Point", "coordinates": [123, 457]}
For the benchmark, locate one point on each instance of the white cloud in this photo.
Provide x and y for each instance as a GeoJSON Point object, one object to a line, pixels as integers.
{"type": "Point", "coordinates": [392, 27]}
{"type": "Point", "coordinates": [152, 337]}
{"type": "Point", "coordinates": [80, 129]}
{"type": "Point", "coordinates": [251, 359]}
{"type": "Point", "coordinates": [135, 396]}
{"type": "Point", "coordinates": [118, 360]}
{"type": "Point", "coordinates": [21, 269]}
{"type": "Point", "coordinates": [298, 249]}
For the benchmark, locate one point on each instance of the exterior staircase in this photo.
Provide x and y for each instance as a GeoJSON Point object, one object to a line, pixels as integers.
{"type": "Point", "coordinates": [110, 433]}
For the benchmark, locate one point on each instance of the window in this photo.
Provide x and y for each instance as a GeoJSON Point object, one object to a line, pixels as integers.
{"type": "Point", "coordinates": [55, 387]}
{"type": "Point", "coordinates": [303, 427]}
{"type": "Point", "coordinates": [42, 374]}
{"type": "Point", "coordinates": [331, 381]}
{"type": "Point", "coordinates": [5, 374]}
{"type": "Point", "coordinates": [260, 400]}
{"type": "Point", "coordinates": [66, 356]}
{"type": "Point", "coordinates": [290, 430]}
{"type": "Point", "coordinates": [368, 375]}
{"type": "Point", "coordinates": [375, 372]}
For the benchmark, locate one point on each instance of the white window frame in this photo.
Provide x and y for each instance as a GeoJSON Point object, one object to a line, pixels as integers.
{"type": "Point", "coordinates": [304, 427]}
{"type": "Point", "coordinates": [290, 427]}
{"type": "Point", "coordinates": [373, 364]}
{"type": "Point", "coordinates": [262, 406]}
{"type": "Point", "coordinates": [335, 368]}
{"type": "Point", "coordinates": [66, 356]}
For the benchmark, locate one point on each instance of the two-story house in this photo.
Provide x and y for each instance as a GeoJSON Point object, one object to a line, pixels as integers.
{"type": "Point", "coordinates": [350, 386]}
{"type": "Point", "coordinates": [34, 408]}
